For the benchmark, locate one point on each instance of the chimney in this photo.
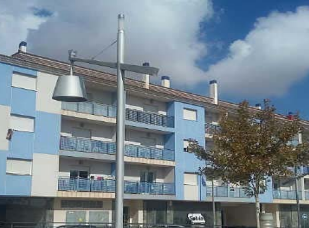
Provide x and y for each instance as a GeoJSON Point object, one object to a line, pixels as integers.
{"type": "Point", "coordinates": [258, 106]}
{"type": "Point", "coordinates": [290, 116]}
{"type": "Point", "coordinates": [146, 77]}
{"type": "Point", "coordinates": [213, 91]}
{"type": "Point", "coordinates": [23, 46]}
{"type": "Point", "coordinates": [165, 81]}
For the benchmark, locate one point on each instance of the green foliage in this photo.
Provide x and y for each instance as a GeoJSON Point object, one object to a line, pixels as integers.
{"type": "Point", "coordinates": [251, 146]}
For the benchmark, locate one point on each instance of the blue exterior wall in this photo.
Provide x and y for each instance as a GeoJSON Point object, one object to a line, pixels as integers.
{"type": "Point", "coordinates": [23, 102]}
{"type": "Point", "coordinates": [47, 133]}
{"type": "Point", "coordinates": [18, 185]}
{"type": "Point", "coordinates": [44, 139]}
{"type": "Point", "coordinates": [186, 129]}
{"type": "Point", "coordinates": [21, 145]}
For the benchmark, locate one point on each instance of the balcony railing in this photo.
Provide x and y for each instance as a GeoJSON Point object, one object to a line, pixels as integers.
{"type": "Point", "coordinates": [225, 191]}
{"type": "Point", "coordinates": [286, 194]}
{"type": "Point", "coordinates": [211, 128]}
{"type": "Point", "coordinates": [97, 109]}
{"type": "Point", "coordinates": [149, 118]}
{"type": "Point", "coordinates": [95, 146]}
{"type": "Point", "coordinates": [88, 185]}
{"type": "Point", "coordinates": [91, 108]}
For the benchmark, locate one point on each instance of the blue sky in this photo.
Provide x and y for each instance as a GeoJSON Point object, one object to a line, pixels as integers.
{"type": "Point", "coordinates": [254, 49]}
{"type": "Point", "coordinates": [234, 20]}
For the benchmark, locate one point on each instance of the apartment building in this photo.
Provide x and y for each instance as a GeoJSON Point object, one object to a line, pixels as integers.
{"type": "Point", "coordinates": [57, 160]}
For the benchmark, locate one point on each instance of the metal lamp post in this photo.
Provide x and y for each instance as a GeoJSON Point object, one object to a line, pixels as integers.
{"type": "Point", "coordinates": [72, 89]}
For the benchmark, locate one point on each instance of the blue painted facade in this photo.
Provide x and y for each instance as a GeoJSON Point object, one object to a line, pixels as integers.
{"type": "Point", "coordinates": [186, 129]}
{"type": "Point", "coordinates": [44, 139]}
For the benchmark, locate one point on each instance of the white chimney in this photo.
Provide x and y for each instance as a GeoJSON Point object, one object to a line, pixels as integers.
{"type": "Point", "coordinates": [23, 46]}
{"type": "Point", "coordinates": [165, 81]}
{"type": "Point", "coordinates": [258, 106]}
{"type": "Point", "coordinates": [146, 77]}
{"type": "Point", "coordinates": [213, 91]}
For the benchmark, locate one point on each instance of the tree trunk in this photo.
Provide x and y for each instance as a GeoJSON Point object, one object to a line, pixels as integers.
{"type": "Point", "coordinates": [257, 210]}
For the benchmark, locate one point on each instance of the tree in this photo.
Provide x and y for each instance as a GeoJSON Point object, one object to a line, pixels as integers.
{"type": "Point", "coordinates": [252, 145]}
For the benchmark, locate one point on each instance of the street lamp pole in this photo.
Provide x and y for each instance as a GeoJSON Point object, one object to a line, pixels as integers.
{"type": "Point", "coordinates": [120, 134]}
{"type": "Point", "coordinates": [71, 88]}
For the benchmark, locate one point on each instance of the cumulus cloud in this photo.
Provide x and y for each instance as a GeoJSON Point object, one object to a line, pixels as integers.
{"type": "Point", "coordinates": [16, 20]}
{"type": "Point", "coordinates": [164, 32]}
{"type": "Point", "coordinates": [271, 58]}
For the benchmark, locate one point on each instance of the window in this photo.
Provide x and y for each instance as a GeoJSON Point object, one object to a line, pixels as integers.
{"type": "Point", "coordinates": [22, 123]}
{"type": "Point", "coordinates": [189, 114]}
{"type": "Point", "coordinates": [18, 167]}
{"type": "Point", "coordinates": [75, 216]}
{"type": "Point", "coordinates": [148, 177]}
{"type": "Point", "coordinates": [24, 81]}
{"type": "Point", "coordinates": [190, 178]}
{"type": "Point", "coordinates": [99, 216]}
{"type": "Point", "coordinates": [186, 144]}
{"type": "Point", "coordinates": [78, 174]}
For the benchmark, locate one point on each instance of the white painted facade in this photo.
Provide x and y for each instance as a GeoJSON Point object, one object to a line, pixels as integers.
{"type": "Point", "coordinates": [47, 184]}
{"type": "Point", "coordinates": [4, 123]}
{"type": "Point", "coordinates": [45, 88]}
{"type": "Point", "coordinates": [97, 132]}
{"type": "Point", "coordinates": [145, 104]}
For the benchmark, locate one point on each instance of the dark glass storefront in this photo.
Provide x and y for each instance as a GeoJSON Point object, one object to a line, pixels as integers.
{"type": "Point", "coordinates": [288, 215]}
{"type": "Point", "coordinates": [175, 212]}
{"type": "Point", "coordinates": [17, 209]}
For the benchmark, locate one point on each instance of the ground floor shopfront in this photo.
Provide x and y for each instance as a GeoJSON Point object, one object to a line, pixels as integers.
{"type": "Point", "coordinates": [67, 210]}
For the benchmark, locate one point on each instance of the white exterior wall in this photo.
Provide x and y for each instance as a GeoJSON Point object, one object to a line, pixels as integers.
{"type": "Point", "coordinates": [96, 169]}
{"type": "Point", "coordinates": [144, 138]}
{"type": "Point", "coordinates": [45, 88]}
{"type": "Point", "coordinates": [99, 96]}
{"type": "Point", "coordinates": [45, 175]}
{"type": "Point", "coordinates": [4, 123]}
{"type": "Point", "coordinates": [145, 104]}
{"type": "Point", "coordinates": [133, 173]}
{"type": "Point", "coordinates": [98, 132]}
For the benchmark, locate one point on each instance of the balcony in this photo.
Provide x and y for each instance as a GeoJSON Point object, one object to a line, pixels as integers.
{"type": "Point", "coordinates": [97, 109]}
{"type": "Point", "coordinates": [95, 146]}
{"type": "Point", "coordinates": [225, 191]}
{"type": "Point", "coordinates": [211, 128]}
{"type": "Point", "coordinates": [306, 194]}
{"type": "Point", "coordinates": [107, 185]}
{"type": "Point", "coordinates": [286, 194]}
{"type": "Point", "coordinates": [91, 108]}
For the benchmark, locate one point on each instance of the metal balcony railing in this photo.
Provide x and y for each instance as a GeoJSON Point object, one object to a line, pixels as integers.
{"type": "Point", "coordinates": [96, 146]}
{"type": "Point", "coordinates": [91, 108]}
{"type": "Point", "coordinates": [225, 191]}
{"type": "Point", "coordinates": [149, 118]}
{"type": "Point", "coordinates": [97, 109]}
{"type": "Point", "coordinates": [286, 194]}
{"type": "Point", "coordinates": [211, 128]}
{"type": "Point", "coordinates": [149, 152]}
{"type": "Point", "coordinates": [107, 185]}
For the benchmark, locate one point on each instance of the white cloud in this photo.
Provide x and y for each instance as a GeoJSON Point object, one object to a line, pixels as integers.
{"type": "Point", "coordinates": [164, 32]}
{"type": "Point", "coordinates": [16, 19]}
{"type": "Point", "coordinates": [271, 58]}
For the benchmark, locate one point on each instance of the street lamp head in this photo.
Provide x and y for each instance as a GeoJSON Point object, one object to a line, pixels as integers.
{"type": "Point", "coordinates": [70, 88]}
